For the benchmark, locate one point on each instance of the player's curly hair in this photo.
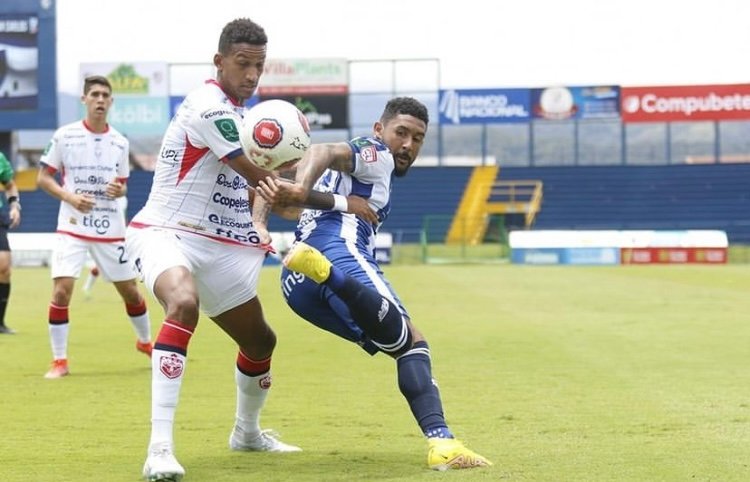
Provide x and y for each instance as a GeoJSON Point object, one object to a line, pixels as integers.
{"type": "Point", "coordinates": [241, 30]}
{"type": "Point", "coordinates": [405, 105]}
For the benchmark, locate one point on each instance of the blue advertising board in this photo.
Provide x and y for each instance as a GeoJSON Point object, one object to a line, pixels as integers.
{"type": "Point", "coordinates": [28, 65]}
{"type": "Point", "coordinates": [484, 106]}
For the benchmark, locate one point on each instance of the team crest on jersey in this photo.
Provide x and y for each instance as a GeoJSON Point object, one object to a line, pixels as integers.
{"type": "Point", "coordinates": [171, 366]}
{"type": "Point", "coordinates": [265, 382]}
{"type": "Point", "coordinates": [369, 154]}
{"type": "Point", "coordinates": [267, 133]}
{"type": "Point", "coordinates": [228, 129]}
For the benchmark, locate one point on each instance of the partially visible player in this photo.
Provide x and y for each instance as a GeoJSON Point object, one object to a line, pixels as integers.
{"type": "Point", "coordinates": [91, 158]}
{"type": "Point", "coordinates": [332, 279]}
{"type": "Point", "coordinates": [10, 218]}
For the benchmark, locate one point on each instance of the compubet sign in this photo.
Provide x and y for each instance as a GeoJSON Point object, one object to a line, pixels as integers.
{"type": "Point", "coordinates": [685, 103]}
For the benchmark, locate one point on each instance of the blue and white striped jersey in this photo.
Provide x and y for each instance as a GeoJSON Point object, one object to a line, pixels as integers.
{"type": "Point", "coordinates": [371, 178]}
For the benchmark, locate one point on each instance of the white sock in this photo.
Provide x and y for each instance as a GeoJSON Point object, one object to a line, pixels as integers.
{"type": "Point", "coordinates": [89, 282]}
{"type": "Point", "coordinates": [167, 370]}
{"type": "Point", "coordinates": [58, 338]}
{"type": "Point", "coordinates": [251, 396]}
{"type": "Point", "coordinates": [142, 327]}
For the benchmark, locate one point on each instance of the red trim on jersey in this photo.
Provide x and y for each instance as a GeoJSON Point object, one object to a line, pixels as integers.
{"type": "Point", "coordinates": [191, 156]}
{"type": "Point", "coordinates": [233, 100]}
{"type": "Point", "coordinates": [91, 238]}
{"type": "Point", "coordinates": [88, 128]}
{"type": "Point", "coordinates": [122, 180]}
{"type": "Point", "coordinates": [50, 170]}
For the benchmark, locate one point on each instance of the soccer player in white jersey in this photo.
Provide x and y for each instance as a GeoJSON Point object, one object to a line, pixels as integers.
{"type": "Point", "coordinates": [91, 158]}
{"type": "Point", "coordinates": [197, 239]}
{"type": "Point", "coordinates": [351, 298]}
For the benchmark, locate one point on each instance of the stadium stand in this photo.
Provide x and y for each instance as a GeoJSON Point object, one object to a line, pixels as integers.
{"type": "Point", "coordinates": [709, 196]}
{"type": "Point", "coordinates": [705, 196]}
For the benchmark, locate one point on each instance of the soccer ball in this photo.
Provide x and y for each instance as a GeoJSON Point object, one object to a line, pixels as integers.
{"type": "Point", "coordinates": [274, 134]}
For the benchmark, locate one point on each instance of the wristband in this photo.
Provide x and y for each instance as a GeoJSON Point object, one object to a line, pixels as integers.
{"type": "Point", "coordinates": [340, 203]}
{"type": "Point", "coordinates": [12, 199]}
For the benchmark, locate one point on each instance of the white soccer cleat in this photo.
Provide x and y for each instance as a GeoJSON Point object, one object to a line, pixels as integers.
{"type": "Point", "coordinates": [265, 441]}
{"type": "Point", "coordinates": [161, 465]}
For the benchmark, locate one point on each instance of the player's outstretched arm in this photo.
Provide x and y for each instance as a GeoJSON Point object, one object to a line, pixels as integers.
{"type": "Point", "coordinates": [336, 156]}
{"type": "Point", "coordinates": [249, 170]}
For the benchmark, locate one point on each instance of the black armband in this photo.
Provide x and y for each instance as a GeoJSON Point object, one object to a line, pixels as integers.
{"type": "Point", "coordinates": [12, 199]}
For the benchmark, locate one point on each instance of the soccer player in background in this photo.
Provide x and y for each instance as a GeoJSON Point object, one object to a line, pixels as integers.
{"type": "Point", "coordinates": [91, 158]}
{"type": "Point", "coordinates": [351, 297]}
{"type": "Point", "coordinates": [10, 217]}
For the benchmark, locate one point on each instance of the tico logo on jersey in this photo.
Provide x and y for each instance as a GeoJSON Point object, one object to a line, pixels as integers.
{"type": "Point", "coordinates": [267, 133]}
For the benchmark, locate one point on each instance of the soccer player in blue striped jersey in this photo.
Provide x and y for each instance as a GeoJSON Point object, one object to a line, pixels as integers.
{"type": "Point", "coordinates": [331, 277]}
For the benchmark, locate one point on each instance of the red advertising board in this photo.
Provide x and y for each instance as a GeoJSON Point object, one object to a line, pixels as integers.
{"type": "Point", "coordinates": [673, 255]}
{"type": "Point", "coordinates": [685, 103]}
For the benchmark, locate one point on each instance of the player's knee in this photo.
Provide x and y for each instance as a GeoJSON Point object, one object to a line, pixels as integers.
{"type": "Point", "coordinates": [391, 334]}
{"type": "Point", "coordinates": [259, 346]}
{"type": "Point", "coordinates": [129, 293]}
{"type": "Point", "coordinates": [182, 306]}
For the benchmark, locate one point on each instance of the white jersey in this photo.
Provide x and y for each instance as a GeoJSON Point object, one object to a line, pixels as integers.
{"type": "Point", "coordinates": [194, 189]}
{"type": "Point", "coordinates": [371, 178]}
{"type": "Point", "coordinates": [87, 161]}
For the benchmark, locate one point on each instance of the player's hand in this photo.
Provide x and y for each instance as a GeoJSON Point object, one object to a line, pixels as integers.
{"type": "Point", "coordinates": [265, 236]}
{"type": "Point", "coordinates": [359, 207]}
{"type": "Point", "coordinates": [15, 216]}
{"type": "Point", "coordinates": [115, 189]}
{"type": "Point", "coordinates": [82, 202]}
{"type": "Point", "coordinates": [281, 193]}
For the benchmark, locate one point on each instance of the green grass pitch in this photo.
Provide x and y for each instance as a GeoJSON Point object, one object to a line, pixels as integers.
{"type": "Point", "coordinates": [554, 373]}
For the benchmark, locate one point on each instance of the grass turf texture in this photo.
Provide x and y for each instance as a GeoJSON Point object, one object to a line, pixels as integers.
{"type": "Point", "coordinates": [554, 373]}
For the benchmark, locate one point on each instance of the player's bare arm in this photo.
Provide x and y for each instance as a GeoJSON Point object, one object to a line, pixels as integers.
{"type": "Point", "coordinates": [82, 202]}
{"type": "Point", "coordinates": [317, 159]}
{"type": "Point", "coordinates": [14, 208]}
{"type": "Point", "coordinates": [249, 170]}
{"type": "Point", "coordinates": [260, 212]}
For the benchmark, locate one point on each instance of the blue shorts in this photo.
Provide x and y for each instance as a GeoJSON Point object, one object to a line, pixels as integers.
{"type": "Point", "coordinates": [320, 306]}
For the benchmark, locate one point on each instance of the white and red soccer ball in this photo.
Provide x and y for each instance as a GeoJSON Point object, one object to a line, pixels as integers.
{"type": "Point", "coordinates": [274, 134]}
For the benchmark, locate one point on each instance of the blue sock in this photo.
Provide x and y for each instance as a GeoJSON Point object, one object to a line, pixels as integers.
{"type": "Point", "coordinates": [415, 383]}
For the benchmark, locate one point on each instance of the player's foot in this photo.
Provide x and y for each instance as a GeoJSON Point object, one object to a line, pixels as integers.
{"type": "Point", "coordinates": [307, 260]}
{"type": "Point", "coordinates": [161, 465]}
{"type": "Point", "coordinates": [58, 369]}
{"type": "Point", "coordinates": [265, 441]}
{"type": "Point", "coordinates": [449, 453]}
{"type": "Point", "coordinates": [145, 348]}
{"type": "Point", "coordinates": [4, 330]}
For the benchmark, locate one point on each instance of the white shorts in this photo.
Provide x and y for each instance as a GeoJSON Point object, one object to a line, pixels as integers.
{"type": "Point", "coordinates": [70, 254]}
{"type": "Point", "coordinates": [226, 274]}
